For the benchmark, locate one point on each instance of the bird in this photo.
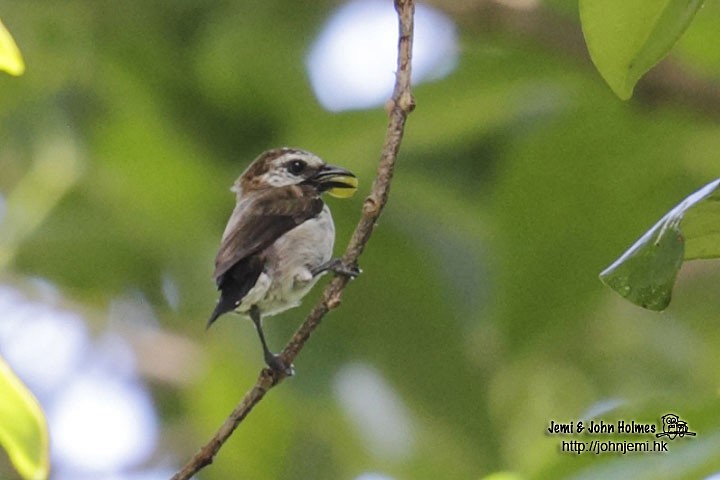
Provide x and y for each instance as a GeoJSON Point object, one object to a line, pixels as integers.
{"type": "Point", "coordinates": [279, 239]}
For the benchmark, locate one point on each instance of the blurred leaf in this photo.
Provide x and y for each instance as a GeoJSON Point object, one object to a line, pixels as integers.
{"type": "Point", "coordinates": [627, 38]}
{"type": "Point", "coordinates": [503, 476]}
{"type": "Point", "coordinates": [10, 59]}
{"type": "Point", "coordinates": [55, 170]}
{"type": "Point", "coordinates": [646, 272]}
{"type": "Point", "coordinates": [23, 432]}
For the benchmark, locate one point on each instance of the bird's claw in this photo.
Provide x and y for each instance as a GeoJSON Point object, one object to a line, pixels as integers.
{"type": "Point", "coordinates": [277, 364]}
{"type": "Point", "coordinates": [337, 266]}
{"type": "Point", "coordinates": [342, 268]}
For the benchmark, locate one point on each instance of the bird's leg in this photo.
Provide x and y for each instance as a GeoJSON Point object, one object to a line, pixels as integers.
{"type": "Point", "coordinates": [272, 360]}
{"type": "Point", "coordinates": [336, 265]}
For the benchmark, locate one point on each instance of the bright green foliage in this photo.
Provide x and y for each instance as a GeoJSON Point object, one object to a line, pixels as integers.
{"type": "Point", "coordinates": [23, 431]}
{"type": "Point", "coordinates": [628, 37]}
{"type": "Point", "coordinates": [645, 273]}
{"type": "Point", "coordinates": [10, 59]}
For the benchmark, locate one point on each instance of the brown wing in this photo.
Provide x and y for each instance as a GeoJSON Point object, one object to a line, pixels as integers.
{"type": "Point", "coordinates": [256, 224]}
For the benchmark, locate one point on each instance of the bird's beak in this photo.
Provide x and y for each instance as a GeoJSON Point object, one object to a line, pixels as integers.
{"type": "Point", "coordinates": [337, 181]}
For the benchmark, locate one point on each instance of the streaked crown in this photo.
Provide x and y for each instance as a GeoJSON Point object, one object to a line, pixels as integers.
{"type": "Point", "coordinates": [279, 167]}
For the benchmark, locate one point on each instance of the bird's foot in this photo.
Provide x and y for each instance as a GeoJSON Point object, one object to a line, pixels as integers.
{"type": "Point", "coordinates": [276, 363]}
{"type": "Point", "coordinates": [336, 265]}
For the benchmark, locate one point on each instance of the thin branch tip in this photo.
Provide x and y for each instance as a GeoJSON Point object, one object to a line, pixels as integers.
{"type": "Point", "coordinates": [401, 104]}
{"type": "Point", "coordinates": [370, 206]}
{"type": "Point", "coordinates": [400, 5]}
{"type": "Point", "coordinates": [334, 302]}
{"type": "Point", "coordinates": [407, 102]}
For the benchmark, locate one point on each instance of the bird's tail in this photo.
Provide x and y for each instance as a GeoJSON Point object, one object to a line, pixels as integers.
{"type": "Point", "coordinates": [223, 306]}
{"type": "Point", "coordinates": [213, 317]}
{"type": "Point", "coordinates": [235, 284]}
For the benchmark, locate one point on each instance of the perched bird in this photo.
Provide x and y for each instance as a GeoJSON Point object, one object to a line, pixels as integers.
{"type": "Point", "coordinates": [279, 238]}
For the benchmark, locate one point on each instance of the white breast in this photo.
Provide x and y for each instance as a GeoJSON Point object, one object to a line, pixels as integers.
{"type": "Point", "coordinates": [286, 278]}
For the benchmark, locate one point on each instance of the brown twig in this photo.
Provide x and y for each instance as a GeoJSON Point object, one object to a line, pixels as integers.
{"type": "Point", "coordinates": [401, 104]}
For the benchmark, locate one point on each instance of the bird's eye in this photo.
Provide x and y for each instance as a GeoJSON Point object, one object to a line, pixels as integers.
{"type": "Point", "coordinates": [296, 167]}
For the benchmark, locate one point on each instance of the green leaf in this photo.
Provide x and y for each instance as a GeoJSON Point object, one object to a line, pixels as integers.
{"type": "Point", "coordinates": [503, 476]}
{"type": "Point", "coordinates": [23, 431]}
{"type": "Point", "coordinates": [628, 37]}
{"type": "Point", "coordinates": [10, 59]}
{"type": "Point", "coordinates": [646, 272]}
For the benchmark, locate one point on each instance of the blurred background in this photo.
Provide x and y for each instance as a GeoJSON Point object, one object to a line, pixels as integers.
{"type": "Point", "coordinates": [479, 317]}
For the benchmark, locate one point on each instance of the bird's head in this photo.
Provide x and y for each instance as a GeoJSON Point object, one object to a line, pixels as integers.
{"type": "Point", "coordinates": [283, 167]}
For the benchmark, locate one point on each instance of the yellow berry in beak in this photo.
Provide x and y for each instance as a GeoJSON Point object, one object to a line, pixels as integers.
{"type": "Point", "coordinates": [345, 186]}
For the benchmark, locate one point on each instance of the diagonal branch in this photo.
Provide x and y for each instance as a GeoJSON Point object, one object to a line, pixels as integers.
{"type": "Point", "coordinates": [400, 105]}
